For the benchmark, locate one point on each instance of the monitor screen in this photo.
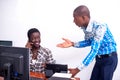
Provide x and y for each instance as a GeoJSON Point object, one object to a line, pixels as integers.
{"type": "Point", "coordinates": [6, 43]}
{"type": "Point", "coordinates": [14, 63]}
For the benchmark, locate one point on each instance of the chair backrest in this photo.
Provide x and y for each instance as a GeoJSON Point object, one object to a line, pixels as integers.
{"type": "Point", "coordinates": [5, 43]}
{"type": "Point", "coordinates": [52, 68]}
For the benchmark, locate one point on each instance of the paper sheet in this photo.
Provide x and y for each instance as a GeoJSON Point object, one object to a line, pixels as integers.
{"type": "Point", "coordinates": [64, 75]}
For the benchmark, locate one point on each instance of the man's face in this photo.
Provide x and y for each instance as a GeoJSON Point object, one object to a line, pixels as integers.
{"type": "Point", "coordinates": [78, 20]}
{"type": "Point", "coordinates": [35, 39]}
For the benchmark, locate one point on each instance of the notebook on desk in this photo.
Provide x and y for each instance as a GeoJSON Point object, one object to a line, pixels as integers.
{"type": "Point", "coordinates": [53, 68]}
{"type": "Point", "coordinates": [58, 78]}
{"type": "Point", "coordinates": [63, 75]}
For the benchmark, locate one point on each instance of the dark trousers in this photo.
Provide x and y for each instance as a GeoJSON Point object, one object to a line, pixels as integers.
{"type": "Point", "coordinates": [104, 67]}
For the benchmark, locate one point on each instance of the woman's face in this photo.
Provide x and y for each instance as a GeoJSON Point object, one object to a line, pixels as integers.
{"type": "Point", "coordinates": [35, 39]}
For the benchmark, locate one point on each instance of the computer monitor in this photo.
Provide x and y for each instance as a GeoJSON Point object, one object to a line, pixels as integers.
{"type": "Point", "coordinates": [6, 43]}
{"type": "Point", "coordinates": [14, 63]}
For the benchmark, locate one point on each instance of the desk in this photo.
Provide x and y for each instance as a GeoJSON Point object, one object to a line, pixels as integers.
{"type": "Point", "coordinates": [76, 78]}
{"type": "Point", "coordinates": [42, 76]}
{"type": "Point", "coordinates": [38, 75]}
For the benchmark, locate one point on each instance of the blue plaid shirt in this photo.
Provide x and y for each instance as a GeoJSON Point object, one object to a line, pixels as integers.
{"type": "Point", "coordinates": [99, 37]}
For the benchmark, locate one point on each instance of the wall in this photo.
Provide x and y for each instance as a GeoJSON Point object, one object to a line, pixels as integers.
{"type": "Point", "coordinates": [54, 19]}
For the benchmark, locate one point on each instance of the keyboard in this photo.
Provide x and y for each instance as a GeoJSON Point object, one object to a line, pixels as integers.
{"type": "Point", "coordinates": [34, 78]}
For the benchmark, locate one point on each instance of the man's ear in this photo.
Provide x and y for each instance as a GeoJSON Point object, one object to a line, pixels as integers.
{"type": "Point", "coordinates": [84, 17]}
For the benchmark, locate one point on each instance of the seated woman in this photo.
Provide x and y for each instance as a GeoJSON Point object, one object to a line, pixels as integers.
{"type": "Point", "coordinates": [39, 55]}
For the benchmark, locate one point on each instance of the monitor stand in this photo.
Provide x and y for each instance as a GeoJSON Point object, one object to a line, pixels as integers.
{"type": "Point", "coordinates": [6, 71]}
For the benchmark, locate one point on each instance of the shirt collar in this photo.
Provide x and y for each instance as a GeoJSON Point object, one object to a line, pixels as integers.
{"type": "Point", "coordinates": [90, 25]}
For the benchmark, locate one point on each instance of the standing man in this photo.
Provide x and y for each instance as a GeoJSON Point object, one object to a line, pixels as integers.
{"type": "Point", "coordinates": [103, 46]}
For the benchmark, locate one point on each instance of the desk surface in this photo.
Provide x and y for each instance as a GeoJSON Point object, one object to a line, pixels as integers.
{"type": "Point", "coordinates": [38, 75]}
{"type": "Point", "coordinates": [42, 76]}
